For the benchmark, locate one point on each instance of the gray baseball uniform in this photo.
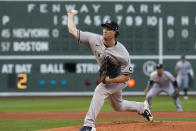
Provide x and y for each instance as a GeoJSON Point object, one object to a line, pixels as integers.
{"type": "Point", "coordinates": [182, 69]}
{"type": "Point", "coordinates": [162, 84]}
{"type": "Point", "coordinates": [113, 92]}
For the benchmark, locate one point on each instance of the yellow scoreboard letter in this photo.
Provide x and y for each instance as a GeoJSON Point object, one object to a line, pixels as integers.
{"type": "Point", "coordinates": [22, 81]}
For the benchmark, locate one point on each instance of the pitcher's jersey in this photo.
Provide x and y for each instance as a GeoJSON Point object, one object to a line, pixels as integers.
{"type": "Point", "coordinates": [117, 53]}
{"type": "Point", "coordinates": [162, 81]}
{"type": "Point", "coordinates": [183, 68]}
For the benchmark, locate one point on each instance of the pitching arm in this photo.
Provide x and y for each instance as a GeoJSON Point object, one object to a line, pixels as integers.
{"type": "Point", "coordinates": [71, 26]}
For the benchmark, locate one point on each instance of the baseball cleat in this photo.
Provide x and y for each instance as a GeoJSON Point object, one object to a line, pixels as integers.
{"type": "Point", "coordinates": [147, 113]}
{"type": "Point", "coordinates": [87, 128]}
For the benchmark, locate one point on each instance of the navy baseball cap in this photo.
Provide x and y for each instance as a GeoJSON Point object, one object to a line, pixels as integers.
{"type": "Point", "coordinates": [159, 66]}
{"type": "Point", "coordinates": [110, 24]}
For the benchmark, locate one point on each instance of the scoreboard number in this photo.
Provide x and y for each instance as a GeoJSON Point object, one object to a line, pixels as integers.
{"type": "Point", "coordinates": [22, 81]}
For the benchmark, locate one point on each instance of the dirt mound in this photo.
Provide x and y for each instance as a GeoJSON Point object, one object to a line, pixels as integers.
{"type": "Point", "coordinates": [115, 126]}
{"type": "Point", "coordinates": [136, 126]}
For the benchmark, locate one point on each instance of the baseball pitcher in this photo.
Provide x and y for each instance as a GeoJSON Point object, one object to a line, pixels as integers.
{"type": "Point", "coordinates": [183, 70]}
{"type": "Point", "coordinates": [115, 70]}
{"type": "Point", "coordinates": [162, 81]}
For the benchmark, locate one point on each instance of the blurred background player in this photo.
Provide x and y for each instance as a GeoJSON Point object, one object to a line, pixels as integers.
{"type": "Point", "coordinates": [162, 81]}
{"type": "Point", "coordinates": [183, 70]}
{"type": "Point", "coordinates": [103, 46]}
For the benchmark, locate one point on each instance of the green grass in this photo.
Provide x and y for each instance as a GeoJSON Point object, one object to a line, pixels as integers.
{"type": "Point", "coordinates": [166, 104]}
{"type": "Point", "coordinates": [44, 104]}
{"type": "Point", "coordinates": [29, 125]}
{"type": "Point", "coordinates": [63, 104]}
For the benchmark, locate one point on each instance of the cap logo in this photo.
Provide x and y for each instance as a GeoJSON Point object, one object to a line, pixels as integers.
{"type": "Point", "coordinates": [108, 21]}
{"type": "Point", "coordinates": [110, 24]}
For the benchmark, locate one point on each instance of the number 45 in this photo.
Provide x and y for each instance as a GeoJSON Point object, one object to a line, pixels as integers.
{"type": "Point", "coordinates": [22, 81]}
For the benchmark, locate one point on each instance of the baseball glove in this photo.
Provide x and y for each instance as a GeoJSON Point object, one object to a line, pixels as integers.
{"type": "Point", "coordinates": [175, 95]}
{"type": "Point", "coordinates": [108, 68]}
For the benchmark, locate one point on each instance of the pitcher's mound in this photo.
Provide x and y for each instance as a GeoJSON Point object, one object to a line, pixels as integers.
{"type": "Point", "coordinates": [136, 126]}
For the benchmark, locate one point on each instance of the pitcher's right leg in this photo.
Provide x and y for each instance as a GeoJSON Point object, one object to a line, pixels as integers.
{"type": "Point", "coordinates": [96, 104]}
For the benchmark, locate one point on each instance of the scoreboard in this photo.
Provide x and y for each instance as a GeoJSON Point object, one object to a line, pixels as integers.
{"type": "Point", "coordinates": [37, 55]}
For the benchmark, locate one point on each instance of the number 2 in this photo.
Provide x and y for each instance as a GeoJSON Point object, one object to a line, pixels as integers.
{"type": "Point", "coordinates": [22, 82]}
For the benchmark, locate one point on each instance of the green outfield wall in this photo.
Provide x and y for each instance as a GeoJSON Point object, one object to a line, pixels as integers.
{"type": "Point", "coordinates": [37, 55]}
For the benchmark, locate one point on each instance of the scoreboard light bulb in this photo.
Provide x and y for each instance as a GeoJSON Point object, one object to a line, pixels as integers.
{"type": "Point", "coordinates": [131, 82]}
{"type": "Point", "coordinates": [42, 82]}
{"type": "Point", "coordinates": [52, 82]}
{"type": "Point", "coordinates": [63, 82]}
{"type": "Point", "coordinates": [87, 83]}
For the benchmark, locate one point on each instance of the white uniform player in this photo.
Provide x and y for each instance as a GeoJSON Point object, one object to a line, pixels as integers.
{"type": "Point", "coordinates": [183, 68]}
{"type": "Point", "coordinates": [106, 46]}
{"type": "Point", "coordinates": [162, 81]}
